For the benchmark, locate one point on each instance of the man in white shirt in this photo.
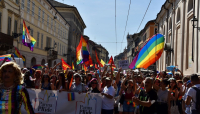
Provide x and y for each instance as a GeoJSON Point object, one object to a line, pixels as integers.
{"type": "Point", "coordinates": [108, 97]}
{"type": "Point", "coordinates": [191, 94]}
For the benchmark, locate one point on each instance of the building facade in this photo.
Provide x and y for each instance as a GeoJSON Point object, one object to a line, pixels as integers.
{"type": "Point", "coordinates": [77, 26]}
{"type": "Point", "coordinates": [175, 22]}
{"type": "Point", "coordinates": [45, 24]}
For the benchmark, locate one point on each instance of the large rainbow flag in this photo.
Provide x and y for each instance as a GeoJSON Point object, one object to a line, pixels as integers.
{"type": "Point", "coordinates": [149, 53]}
{"type": "Point", "coordinates": [17, 54]}
{"type": "Point", "coordinates": [2, 57]}
{"type": "Point", "coordinates": [27, 39]}
{"type": "Point", "coordinates": [82, 52]}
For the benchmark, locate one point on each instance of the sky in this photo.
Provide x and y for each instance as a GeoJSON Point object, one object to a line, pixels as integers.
{"type": "Point", "coordinates": [99, 17]}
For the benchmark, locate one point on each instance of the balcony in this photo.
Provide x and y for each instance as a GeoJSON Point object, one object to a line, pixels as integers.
{"type": "Point", "coordinates": [52, 54]}
{"type": "Point", "coordinates": [6, 42]}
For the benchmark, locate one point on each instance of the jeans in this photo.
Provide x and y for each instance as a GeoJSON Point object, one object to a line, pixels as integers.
{"type": "Point", "coordinates": [128, 108]}
{"type": "Point", "coordinates": [104, 111]}
{"type": "Point", "coordinates": [195, 112]}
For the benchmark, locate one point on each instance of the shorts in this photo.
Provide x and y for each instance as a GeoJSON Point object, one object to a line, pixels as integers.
{"type": "Point", "coordinates": [120, 108]}
{"type": "Point", "coordinates": [128, 108]}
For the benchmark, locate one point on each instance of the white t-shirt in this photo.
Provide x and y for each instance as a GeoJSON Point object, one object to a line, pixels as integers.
{"type": "Point", "coordinates": [107, 103]}
{"type": "Point", "coordinates": [192, 93]}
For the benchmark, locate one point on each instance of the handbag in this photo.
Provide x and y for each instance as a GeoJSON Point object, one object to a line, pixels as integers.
{"type": "Point", "coordinates": [122, 98]}
{"type": "Point", "coordinates": [174, 109]}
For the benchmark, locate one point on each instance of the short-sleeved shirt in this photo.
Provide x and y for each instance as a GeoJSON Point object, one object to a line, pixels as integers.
{"type": "Point", "coordinates": [78, 88]}
{"type": "Point", "coordinates": [143, 96]}
{"type": "Point", "coordinates": [107, 103]}
{"type": "Point", "coordinates": [192, 93]}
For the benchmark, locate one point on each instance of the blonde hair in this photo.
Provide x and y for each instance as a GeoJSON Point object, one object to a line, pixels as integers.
{"type": "Point", "coordinates": [17, 71]}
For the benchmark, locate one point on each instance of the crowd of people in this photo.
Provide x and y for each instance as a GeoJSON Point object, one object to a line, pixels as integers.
{"type": "Point", "coordinates": [129, 93]}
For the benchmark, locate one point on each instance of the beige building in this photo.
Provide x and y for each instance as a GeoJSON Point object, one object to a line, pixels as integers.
{"type": "Point", "coordinates": [174, 21]}
{"type": "Point", "coordinates": [45, 24]}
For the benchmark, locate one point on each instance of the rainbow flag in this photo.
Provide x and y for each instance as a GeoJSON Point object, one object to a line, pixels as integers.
{"type": "Point", "coordinates": [71, 96]}
{"type": "Point", "coordinates": [79, 53]}
{"type": "Point", "coordinates": [85, 52]}
{"type": "Point", "coordinates": [149, 53]}
{"type": "Point", "coordinates": [2, 57]}
{"type": "Point", "coordinates": [27, 40]}
{"type": "Point", "coordinates": [72, 65]}
{"type": "Point", "coordinates": [17, 54]}
{"type": "Point", "coordinates": [37, 67]}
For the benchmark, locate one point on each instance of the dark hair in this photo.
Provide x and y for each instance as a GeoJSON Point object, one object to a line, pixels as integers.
{"type": "Point", "coordinates": [53, 76]}
{"type": "Point", "coordinates": [165, 81]}
{"type": "Point", "coordinates": [194, 78]}
{"type": "Point", "coordinates": [44, 76]}
{"type": "Point", "coordinates": [63, 80]}
{"type": "Point", "coordinates": [164, 72]}
{"type": "Point", "coordinates": [175, 84]}
{"type": "Point", "coordinates": [69, 77]}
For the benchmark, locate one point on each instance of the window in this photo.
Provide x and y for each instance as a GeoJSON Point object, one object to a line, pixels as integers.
{"type": "Point", "coordinates": [60, 49]}
{"type": "Point", "coordinates": [17, 1]}
{"type": "Point", "coordinates": [178, 15]}
{"type": "Point", "coordinates": [38, 35]}
{"type": "Point", "coordinates": [22, 4]}
{"type": "Point", "coordinates": [41, 41]}
{"type": "Point", "coordinates": [61, 31]}
{"type": "Point", "coordinates": [32, 32]}
{"type": "Point", "coordinates": [21, 30]}
{"type": "Point", "coordinates": [51, 23]}
{"type": "Point", "coordinates": [43, 16]}
{"type": "Point", "coordinates": [47, 21]}
{"type": "Point", "coordinates": [55, 27]}
{"type": "Point", "coordinates": [0, 21]}
{"type": "Point", "coordinates": [33, 8]}
{"type": "Point", "coordinates": [9, 25]}
{"type": "Point", "coordinates": [170, 24]}
{"type": "Point", "coordinates": [58, 29]}
{"type": "Point", "coordinates": [28, 6]}
{"type": "Point", "coordinates": [190, 5]}
{"type": "Point", "coordinates": [15, 27]}
{"type": "Point", "coordinates": [39, 14]}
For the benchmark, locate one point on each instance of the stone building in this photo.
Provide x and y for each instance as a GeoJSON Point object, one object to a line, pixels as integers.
{"type": "Point", "coordinates": [175, 22]}
{"type": "Point", "coordinates": [45, 24]}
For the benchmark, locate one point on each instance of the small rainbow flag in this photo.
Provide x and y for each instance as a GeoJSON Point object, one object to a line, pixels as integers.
{"type": "Point", "coordinates": [37, 67]}
{"type": "Point", "coordinates": [17, 54]}
{"type": "Point", "coordinates": [71, 96]}
{"type": "Point", "coordinates": [27, 39]}
{"type": "Point", "coordinates": [2, 57]}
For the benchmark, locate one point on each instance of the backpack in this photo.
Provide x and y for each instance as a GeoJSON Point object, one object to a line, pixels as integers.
{"type": "Point", "coordinates": [197, 99]}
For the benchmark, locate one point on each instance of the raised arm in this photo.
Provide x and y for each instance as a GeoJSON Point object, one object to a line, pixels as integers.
{"type": "Point", "coordinates": [112, 76]}
{"type": "Point", "coordinates": [105, 69]}
{"type": "Point", "coordinates": [56, 66]}
{"type": "Point", "coordinates": [13, 58]}
{"type": "Point", "coordinates": [118, 75]}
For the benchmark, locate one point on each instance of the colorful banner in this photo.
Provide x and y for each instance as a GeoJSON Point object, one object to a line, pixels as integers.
{"type": "Point", "coordinates": [55, 102]}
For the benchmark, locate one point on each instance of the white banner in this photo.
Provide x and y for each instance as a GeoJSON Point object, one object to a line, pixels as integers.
{"type": "Point", "coordinates": [124, 64]}
{"type": "Point", "coordinates": [54, 102]}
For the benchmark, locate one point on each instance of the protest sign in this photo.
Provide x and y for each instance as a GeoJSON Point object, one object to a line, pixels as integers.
{"type": "Point", "coordinates": [54, 102]}
{"type": "Point", "coordinates": [124, 64]}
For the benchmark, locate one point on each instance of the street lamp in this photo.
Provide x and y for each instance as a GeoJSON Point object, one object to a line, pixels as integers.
{"type": "Point", "coordinates": [48, 48]}
{"type": "Point", "coordinates": [194, 23]}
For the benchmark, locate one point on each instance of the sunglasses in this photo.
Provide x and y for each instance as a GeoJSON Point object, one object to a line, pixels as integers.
{"type": "Point", "coordinates": [76, 76]}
